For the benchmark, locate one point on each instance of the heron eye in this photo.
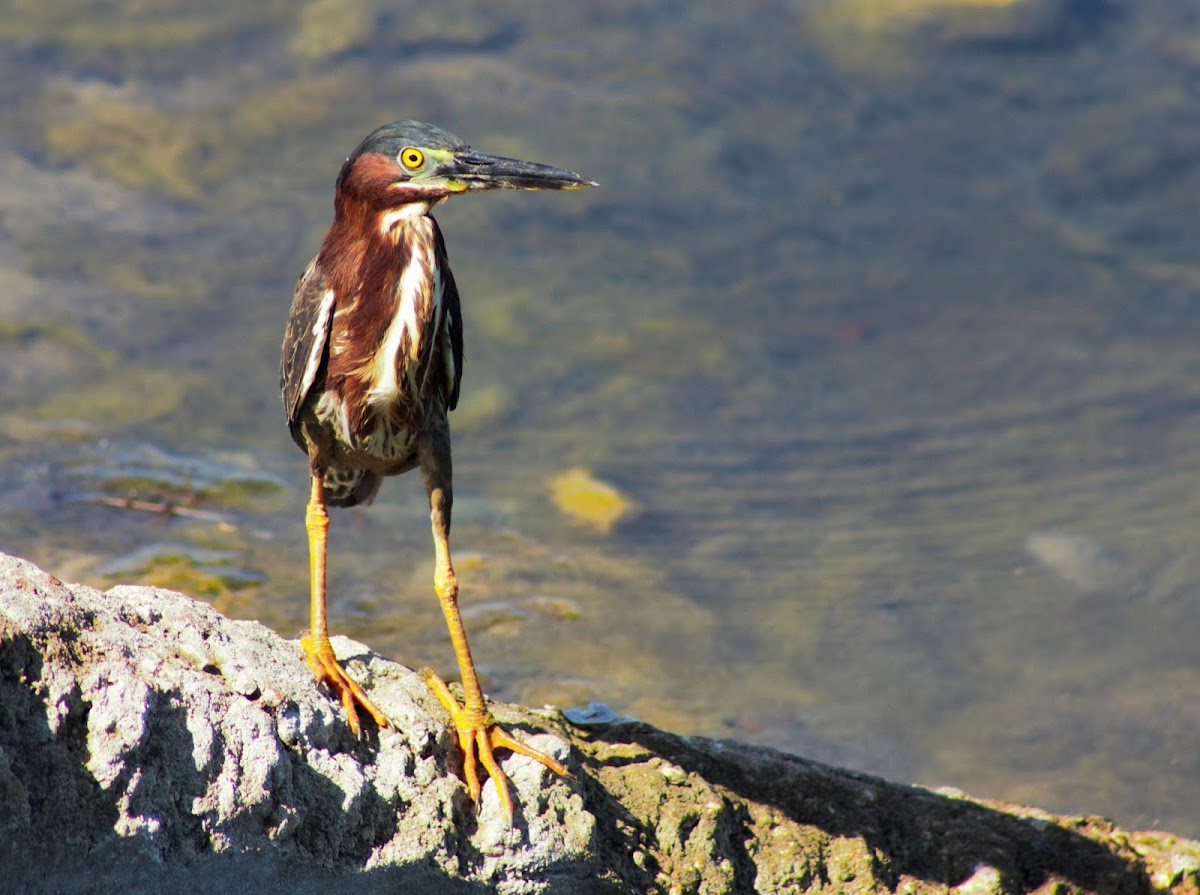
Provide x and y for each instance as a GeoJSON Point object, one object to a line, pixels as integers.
{"type": "Point", "coordinates": [412, 158]}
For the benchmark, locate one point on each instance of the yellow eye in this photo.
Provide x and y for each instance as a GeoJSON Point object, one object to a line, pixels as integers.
{"type": "Point", "coordinates": [412, 158]}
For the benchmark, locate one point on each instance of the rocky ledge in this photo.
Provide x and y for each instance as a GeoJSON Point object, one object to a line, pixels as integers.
{"type": "Point", "coordinates": [148, 744]}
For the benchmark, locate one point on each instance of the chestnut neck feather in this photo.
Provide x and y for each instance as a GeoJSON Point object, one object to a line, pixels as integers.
{"type": "Point", "coordinates": [378, 183]}
{"type": "Point", "coordinates": [364, 267]}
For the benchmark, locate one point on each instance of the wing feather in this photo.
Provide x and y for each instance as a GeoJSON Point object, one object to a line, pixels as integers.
{"type": "Point", "coordinates": [305, 343]}
{"type": "Point", "coordinates": [451, 335]}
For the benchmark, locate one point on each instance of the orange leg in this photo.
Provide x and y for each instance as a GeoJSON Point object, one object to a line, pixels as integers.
{"type": "Point", "coordinates": [478, 733]}
{"type": "Point", "coordinates": [321, 660]}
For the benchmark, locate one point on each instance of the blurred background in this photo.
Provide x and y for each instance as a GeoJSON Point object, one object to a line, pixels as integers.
{"type": "Point", "coordinates": [854, 414]}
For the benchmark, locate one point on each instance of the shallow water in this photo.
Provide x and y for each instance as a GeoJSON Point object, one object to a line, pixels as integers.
{"type": "Point", "coordinates": [884, 327]}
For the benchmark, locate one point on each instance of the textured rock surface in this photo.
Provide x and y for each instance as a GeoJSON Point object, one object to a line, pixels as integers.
{"type": "Point", "coordinates": [149, 744]}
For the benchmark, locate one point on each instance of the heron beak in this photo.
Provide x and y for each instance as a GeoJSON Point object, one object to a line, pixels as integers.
{"type": "Point", "coordinates": [480, 171]}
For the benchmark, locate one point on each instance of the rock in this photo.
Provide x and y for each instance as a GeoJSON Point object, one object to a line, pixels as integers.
{"type": "Point", "coordinates": [148, 744]}
{"type": "Point", "coordinates": [1078, 559]}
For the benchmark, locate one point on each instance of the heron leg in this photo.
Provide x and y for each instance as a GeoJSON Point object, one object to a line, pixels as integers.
{"type": "Point", "coordinates": [321, 659]}
{"type": "Point", "coordinates": [478, 733]}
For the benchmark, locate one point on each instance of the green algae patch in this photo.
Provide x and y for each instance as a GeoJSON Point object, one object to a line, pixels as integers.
{"type": "Point", "coordinates": [144, 477]}
{"type": "Point", "coordinates": [871, 35]}
{"type": "Point", "coordinates": [136, 145]}
{"type": "Point", "coordinates": [139, 26]}
{"type": "Point", "coordinates": [482, 407]}
{"type": "Point", "coordinates": [35, 354]}
{"type": "Point", "coordinates": [15, 334]}
{"type": "Point", "coordinates": [588, 500]}
{"type": "Point", "coordinates": [179, 574]}
{"type": "Point", "coordinates": [210, 574]}
{"type": "Point", "coordinates": [873, 18]}
{"type": "Point", "coordinates": [328, 27]}
{"type": "Point", "coordinates": [128, 397]}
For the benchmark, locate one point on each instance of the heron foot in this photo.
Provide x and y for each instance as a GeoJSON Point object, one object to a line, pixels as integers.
{"type": "Point", "coordinates": [326, 668]}
{"type": "Point", "coordinates": [480, 735]}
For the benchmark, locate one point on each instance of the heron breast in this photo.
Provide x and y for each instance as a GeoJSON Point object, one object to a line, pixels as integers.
{"type": "Point", "coordinates": [398, 362]}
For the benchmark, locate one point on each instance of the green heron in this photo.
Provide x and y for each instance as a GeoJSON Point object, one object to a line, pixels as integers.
{"type": "Point", "coordinates": [371, 365]}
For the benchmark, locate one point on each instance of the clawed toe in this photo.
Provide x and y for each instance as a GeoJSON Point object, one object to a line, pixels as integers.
{"type": "Point", "coordinates": [479, 736]}
{"type": "Point", "coordinates": [326, 668]}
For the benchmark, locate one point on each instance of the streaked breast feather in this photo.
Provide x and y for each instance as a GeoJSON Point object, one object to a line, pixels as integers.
{"type": "Point", "coordinates": [418, 293]}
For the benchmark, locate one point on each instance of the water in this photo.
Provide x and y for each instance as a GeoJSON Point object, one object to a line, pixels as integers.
{"type": "Point", "coordinates": [885, 325]}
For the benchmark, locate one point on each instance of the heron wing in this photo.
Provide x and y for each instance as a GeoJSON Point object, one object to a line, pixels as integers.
{"type": "Point", "coordinates": [451, 337]}
{"type": "Point", "coordinates": [306, 339]}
